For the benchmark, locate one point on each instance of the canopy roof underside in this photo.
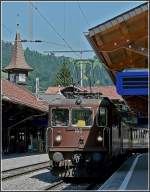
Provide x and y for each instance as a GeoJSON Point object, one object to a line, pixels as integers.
{"type": "Point", "coordinates": [122, 42]}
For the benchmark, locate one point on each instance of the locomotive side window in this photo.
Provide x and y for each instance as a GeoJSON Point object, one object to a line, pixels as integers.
{"type": "Point", "coordinates": [82, 117]}
{"type": "Point", "coordinates": [60, 117]}
{"type": "Point", "coordinates": [102, 117]}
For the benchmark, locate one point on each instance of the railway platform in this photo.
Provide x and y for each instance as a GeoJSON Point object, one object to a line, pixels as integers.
{"type": "Point", "coordinates": [19, 160]}
{"type": "Point", "coordinates": [132, 175]}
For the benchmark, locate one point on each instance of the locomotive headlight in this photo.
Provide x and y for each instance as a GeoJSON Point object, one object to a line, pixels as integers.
{"type": "Point", "coordinates": [58, 138]}
{"type": "Point", "coordinates": [99, 139]}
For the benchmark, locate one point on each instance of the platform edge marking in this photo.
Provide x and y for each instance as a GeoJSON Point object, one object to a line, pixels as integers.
{"type": "Point", "coordinates": [129, 175]}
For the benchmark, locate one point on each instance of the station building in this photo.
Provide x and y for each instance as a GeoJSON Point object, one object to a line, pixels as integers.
{"type": "Point", "coordinates": [24, 116]}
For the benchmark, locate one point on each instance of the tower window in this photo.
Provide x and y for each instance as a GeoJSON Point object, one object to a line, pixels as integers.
{"type": "Point", "coordinates": [22, 77]}
{"type": "Point", "coordinates": [12, 77]}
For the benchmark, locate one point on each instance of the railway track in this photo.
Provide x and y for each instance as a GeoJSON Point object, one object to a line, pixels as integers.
{"type": "Point", "coordinates": [62, 186]}
{"type": "Point", "coordinates": [56, 185]}
{"type": "Point", "coordinates": [7, 174]}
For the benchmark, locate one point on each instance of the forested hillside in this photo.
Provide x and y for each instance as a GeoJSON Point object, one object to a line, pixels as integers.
{"type": "Point", "coordinates": [46, 67]}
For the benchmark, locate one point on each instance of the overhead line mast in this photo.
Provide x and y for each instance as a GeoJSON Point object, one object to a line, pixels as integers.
{"type": "Point", "coordinates": [78, 60]}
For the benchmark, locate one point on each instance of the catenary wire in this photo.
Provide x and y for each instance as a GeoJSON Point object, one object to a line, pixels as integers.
{"type": "Point", "coordinates": [83, 14]}
{"type": "Point", "coordinates": [52, 27]}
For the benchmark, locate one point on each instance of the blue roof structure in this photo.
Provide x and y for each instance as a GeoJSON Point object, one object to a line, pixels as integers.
{"type": "Point", "coordinates": [132, 82]}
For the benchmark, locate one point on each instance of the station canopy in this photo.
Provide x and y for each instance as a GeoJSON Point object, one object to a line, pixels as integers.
{"type": "Point", "coordinates": [122, 42]}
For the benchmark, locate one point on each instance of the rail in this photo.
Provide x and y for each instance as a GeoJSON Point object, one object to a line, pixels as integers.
{"type": "Point", "coordinates": [61, 185]}
{"type": "Point", "coordinates": [7, 174]}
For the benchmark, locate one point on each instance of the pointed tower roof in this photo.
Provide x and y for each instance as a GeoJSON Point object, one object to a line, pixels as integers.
{"type": "Point", "coordinates": [18, 59]}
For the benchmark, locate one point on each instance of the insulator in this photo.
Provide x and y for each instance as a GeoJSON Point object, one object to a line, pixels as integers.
{"type": "Point", "coordinates": [38, 41]}
{"type": "Point", "coordinates": [23, 40]}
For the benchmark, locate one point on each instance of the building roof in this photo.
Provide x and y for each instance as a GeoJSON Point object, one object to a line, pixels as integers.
{"type": "Point", "coordinates": [107, 91]}
{"type": "Point", "coordinates": [53, 90]}
{"type": "Point", "coordinates": [20, 95]}
{"type": "Point", "coordinates": [122, 42]}
{"type": "Point", "coordinates": [17, 59]}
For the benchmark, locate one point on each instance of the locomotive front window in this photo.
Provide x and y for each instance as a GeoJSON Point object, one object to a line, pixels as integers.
{"type": "Point", "coordinates": [102, 117]}
{"type": "Point", "coordinates": [60, 117]}
{"type": "Point", "coordinates": [82, 117]}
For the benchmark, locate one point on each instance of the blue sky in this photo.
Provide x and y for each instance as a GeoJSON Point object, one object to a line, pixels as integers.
{"type": "Point", "coordinates": [66, 17]}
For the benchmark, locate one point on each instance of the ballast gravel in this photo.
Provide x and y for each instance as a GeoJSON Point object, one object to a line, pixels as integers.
{"type": "Point", "coordinates": [32, 181]}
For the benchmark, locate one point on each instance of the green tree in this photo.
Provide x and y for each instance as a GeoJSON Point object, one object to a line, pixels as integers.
{"type": "Point", "coordinates": [63, 76]}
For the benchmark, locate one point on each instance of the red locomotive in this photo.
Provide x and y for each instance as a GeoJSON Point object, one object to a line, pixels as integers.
{"type": "Point", "coordinates": [85, 134]}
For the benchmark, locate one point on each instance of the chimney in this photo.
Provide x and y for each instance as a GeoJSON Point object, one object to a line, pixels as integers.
{"type": "Point", "coordinates": [59, 91]}
{"type": "Point", "coordinates": [37, 88]}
